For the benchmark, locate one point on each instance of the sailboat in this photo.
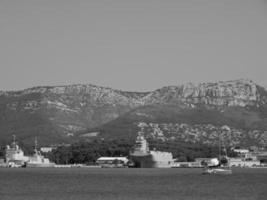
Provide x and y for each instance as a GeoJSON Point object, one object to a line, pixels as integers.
{"type": "Point", "coordinates": [215, 166]}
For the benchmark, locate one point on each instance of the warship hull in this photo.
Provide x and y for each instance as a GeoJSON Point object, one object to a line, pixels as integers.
{"type": "Point", "coordinates": [35, 165]}
{"type": "Point", "coordinates": [142, 161]}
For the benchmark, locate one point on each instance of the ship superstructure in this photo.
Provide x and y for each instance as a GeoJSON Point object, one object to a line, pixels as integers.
{"type": "Point", "coordinates": [14, 155]}
{"type": "Point", "coordinates": [141, 147]}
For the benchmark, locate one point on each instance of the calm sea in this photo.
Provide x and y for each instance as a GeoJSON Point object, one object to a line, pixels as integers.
{"type": "Point", "coordinates": [109, 184]}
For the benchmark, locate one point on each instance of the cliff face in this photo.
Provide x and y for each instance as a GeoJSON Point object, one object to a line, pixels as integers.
{"type": "Point", "coordinates": [62, 111]}
{"type": "Point", "coordinates": [231, 93]}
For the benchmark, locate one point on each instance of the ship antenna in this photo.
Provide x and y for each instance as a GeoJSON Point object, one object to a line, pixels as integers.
{"type": "Point", "coordinates": [35, 142]}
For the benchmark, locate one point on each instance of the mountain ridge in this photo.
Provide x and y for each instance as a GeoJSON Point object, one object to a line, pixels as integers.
{"type": "Point", "coordinates": [67, 110]}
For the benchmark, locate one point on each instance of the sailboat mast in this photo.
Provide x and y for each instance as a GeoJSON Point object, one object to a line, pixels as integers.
{"type": "Point", "coordinates": [220, 148]}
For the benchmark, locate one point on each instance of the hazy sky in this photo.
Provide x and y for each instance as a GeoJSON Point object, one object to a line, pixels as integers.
{"type": "Point", "coordinates": [131, 45]}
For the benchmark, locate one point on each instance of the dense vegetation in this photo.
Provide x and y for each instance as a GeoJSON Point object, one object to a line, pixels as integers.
{"type": "Point", "coordinates": [88, 152]}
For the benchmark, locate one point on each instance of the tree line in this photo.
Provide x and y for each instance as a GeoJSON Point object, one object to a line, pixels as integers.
{"type": "Point", "coordinates": [89, 152]}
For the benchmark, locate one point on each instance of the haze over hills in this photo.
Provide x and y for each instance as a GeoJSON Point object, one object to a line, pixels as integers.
{"type": "Point", "coordinates": [189, 112]}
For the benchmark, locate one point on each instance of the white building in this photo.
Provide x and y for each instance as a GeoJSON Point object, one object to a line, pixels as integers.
{"type": "Point", "coordinates": [241, 151]}
{"type": "Point", "coordinates": [110, 162]}
{"type": "Point", "coordinates": [240, 162]}
{"type": "Point", "coordinates": [46, 149]}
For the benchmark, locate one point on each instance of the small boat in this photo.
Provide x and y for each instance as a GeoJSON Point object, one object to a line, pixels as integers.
{"type": "Point", "coordinates": [223, 171]}
{"type": "Point", "coordinates": [215, 166]}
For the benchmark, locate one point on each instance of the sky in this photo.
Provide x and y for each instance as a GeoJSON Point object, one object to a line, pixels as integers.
{"type": "Point", "coordinates": [138, 45]}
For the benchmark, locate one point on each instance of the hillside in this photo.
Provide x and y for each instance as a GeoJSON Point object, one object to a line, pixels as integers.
{"type": "Point", "coordinates": [55, 114]}
{"type": "Point", "coordinates": [194, 125]}
{"type": "Point", "coordinates": [65, 113]}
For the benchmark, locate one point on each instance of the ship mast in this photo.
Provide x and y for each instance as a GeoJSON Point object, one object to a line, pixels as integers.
{"type": "Point", "coordinates": [35, 144]}
{"type": "Point", "coordinates": [14, 139]}
{"type": "Point", "coordinates": [224, 129]}
{"type": "Point", "coordinates": [14, 145]}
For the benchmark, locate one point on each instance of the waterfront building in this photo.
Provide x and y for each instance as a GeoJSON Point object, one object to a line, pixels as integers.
{"type": "Point", "coordinates": [46, 149]}
{"type": "Point", "coordinates": [241, 162]}
{"type": "Point", "coordinates": [112, 162]}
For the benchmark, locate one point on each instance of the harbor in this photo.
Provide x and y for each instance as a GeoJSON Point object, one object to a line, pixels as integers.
{"type": "Point", "coordinates": [140, 156]}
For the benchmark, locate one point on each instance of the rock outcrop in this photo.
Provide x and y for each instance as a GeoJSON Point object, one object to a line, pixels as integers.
{"type": "Point", "coordinates": [231, 93]}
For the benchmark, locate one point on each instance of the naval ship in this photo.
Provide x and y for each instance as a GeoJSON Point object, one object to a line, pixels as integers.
{"type": "Point", "coordinates": [142, 157]}
{"type": "Point", "coordinates": [14, 155]}
{"type": "Point", "coordinates": [38, 160]}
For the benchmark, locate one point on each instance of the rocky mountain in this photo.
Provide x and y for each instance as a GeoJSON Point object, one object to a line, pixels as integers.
{"type": "Point", "coordinates": [66, 113]}
{"type": "Point", "coordinates": [231, 93]}
{"type": "Point", "coordinates": [57, 113]}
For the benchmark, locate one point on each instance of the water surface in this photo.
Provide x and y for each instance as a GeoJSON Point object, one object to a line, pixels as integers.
{"type": "Point", "coordinates": [109, 184]}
